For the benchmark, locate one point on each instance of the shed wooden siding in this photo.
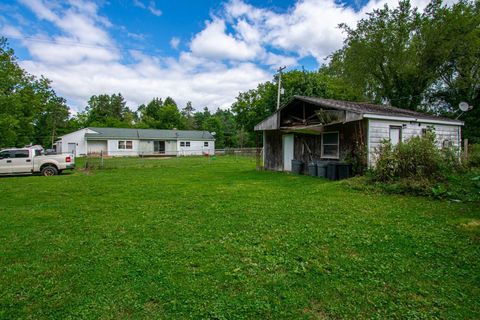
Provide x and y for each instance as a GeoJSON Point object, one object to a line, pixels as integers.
{"type": "Point", "coordinates": [273, 150]}
{"type": "Point", "coordinates": [348, 133]}
{"type": "Point", "coordinates": [380, 130]}
{"type": "Point", "coordinates": [271, 123]}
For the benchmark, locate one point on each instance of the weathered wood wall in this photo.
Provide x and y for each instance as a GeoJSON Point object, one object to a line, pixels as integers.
{"type": "Point", "coordinates": [273, 150]}
{"type": "Point", "coordinates": [308, 147]}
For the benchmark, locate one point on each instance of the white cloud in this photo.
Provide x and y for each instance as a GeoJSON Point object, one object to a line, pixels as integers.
{"type": "Point", "coordinates": [151, 6]}
{"type": "Point", "coordinates": [308, 28]}
{"type": "Point", "coordinates": [153, 9]}
{"type": "Point", "coordinates": [214, 43]}
{"type": "Point", "coordinates": [174, 42]}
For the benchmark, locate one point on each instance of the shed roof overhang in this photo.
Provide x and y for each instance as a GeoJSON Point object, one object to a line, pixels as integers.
{"type": "Point", "coordinates": [353, 111]}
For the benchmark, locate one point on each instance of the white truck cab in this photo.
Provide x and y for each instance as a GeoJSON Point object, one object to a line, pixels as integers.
{"type": "Point", "coordinates": [31, 160]}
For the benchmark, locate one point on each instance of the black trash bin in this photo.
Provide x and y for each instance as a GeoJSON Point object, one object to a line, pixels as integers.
{"type": "Point", "coordinates": [312, 169]}
{"type": "Point", "coordinates": [322, 169]}
{"type": "Point", "coordinates": [344, 171]}
{"type": "Point", "coordinates": [297, 166]}
{"type": "Point", "coordinates": [332, 171]}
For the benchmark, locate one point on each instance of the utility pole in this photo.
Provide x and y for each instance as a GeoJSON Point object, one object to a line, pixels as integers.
{"type": "Point", "coordinates": [279, 85]}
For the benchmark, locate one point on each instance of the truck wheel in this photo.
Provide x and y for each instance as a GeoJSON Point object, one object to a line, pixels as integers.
{"type": "Point", "coordinates": [49, 171]}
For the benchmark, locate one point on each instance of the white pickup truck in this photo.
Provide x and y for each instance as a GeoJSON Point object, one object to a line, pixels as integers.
{"type": "Point", "coordinates": [31, 160]}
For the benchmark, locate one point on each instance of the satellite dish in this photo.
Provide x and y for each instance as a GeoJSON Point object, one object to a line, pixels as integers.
{"type": "Point", "coordinates": [464, 106]}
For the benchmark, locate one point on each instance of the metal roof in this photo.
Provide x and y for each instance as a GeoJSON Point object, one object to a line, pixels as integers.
{"type": "Point", "coordinates": [361, 108]}
{"type": "Point", "coordinates": [369, 108]}
{"type": "Point", "coordinates": [147, 134]}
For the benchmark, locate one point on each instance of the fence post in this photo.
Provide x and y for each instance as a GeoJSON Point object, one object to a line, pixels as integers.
{"type": "Point", "coordinates": [465, 150]}
{"type": "Point", "coordinates": [101, 159]}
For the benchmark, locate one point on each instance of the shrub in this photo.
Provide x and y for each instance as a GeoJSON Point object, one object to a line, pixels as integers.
{"type": "Point", "coordinates": [418, 157]}
{"type": "Point", "coordinates": [386, 167]}
{"type": "Point", "coordinates": [358, 158]}
{"type": "Point", "coordinates": [474, 156]}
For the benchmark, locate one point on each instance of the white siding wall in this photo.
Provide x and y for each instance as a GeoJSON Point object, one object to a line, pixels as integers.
{"type": "Point", "coordinates": [99, 146]}
{"type": "Point", "coordinates": [196, 148]}
{"type": "Point", "coordinates": [114, 151]}
{"type": "Point", "coordinates": [77, 137]}
{"type": "Point", "coordinates": [145, 146]}
{"type": "Point", "coordinates": [171, 147]}
{"type": "Point", "coordinates": [379, 130]}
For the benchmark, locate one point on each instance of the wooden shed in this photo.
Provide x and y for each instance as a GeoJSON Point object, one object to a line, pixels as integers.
{"type": "Point", "coordinates": [314, 129]}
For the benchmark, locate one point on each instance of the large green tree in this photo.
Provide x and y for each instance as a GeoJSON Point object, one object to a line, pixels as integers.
{"type": "Point", "coordinates": [30, 111]}
{"type": "Point", "coordinates": [108, 111]}
{"type": "Point", "coordinates": [457, 28]}
{"type": "Point", "coordinates": [161, 115]}
{"type": "Point", "coordinates": [387, 57]}
{"type": "Point", "coordinates": [427, 61]}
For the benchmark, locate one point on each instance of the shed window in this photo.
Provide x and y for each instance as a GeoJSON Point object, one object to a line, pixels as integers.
{"type": "Point", "coordinates": [205, 144]}
{"type": "Point", "coordinates": [129, 144]}
{"type": "Point", "coordinates": [187, 144]}
{"type": "Point", "coordinates": [182, 144]}
{"type": "Point", "coordinates": [121, 144]}
{"type": "Point", "coordinates": [330, 145]}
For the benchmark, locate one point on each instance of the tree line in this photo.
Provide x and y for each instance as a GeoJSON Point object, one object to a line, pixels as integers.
{"type": "Point", "coordinates": [428, 61]}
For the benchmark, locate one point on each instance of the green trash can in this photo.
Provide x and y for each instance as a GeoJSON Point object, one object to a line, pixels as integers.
{"type": "Point", "coordinates": [312, 169]}
{"type": "Point", "coordinates": [344, 171]}
{"type": "Point", "coordinates": [332, 171]}
{"type": "Point", "coordinates": [322, 169]}
{"type": "Point", "coordinates": [297, 166]}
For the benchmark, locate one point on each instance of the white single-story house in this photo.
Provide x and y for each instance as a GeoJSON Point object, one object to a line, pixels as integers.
{"type": "Point", "coordinates": [315, 129]}
{"type": "Point", "coordinates": [136, 142]}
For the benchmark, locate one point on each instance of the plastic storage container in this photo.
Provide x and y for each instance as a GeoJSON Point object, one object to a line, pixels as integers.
{"type": "Point", "coordinates": [322, 169]}
{"type": "Point", "coordinates": [297, 166]}
{"type": "Point", "coordinates": [332, 171]}
{"type": "Point", "coordinates": [344, 171]}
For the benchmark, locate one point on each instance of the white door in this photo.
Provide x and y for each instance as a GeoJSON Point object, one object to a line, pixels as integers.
{"type": "Point", "coordinates": [72, 147]}
{"type": "Point", "coordinates": [21, 161]}
{"type": "Point", "coordinates": [395, 135]}
{"type": "Point", "coordinates": [287, 152]}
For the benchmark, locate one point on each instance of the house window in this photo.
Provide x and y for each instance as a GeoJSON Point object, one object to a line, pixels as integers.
{"type": "Point", "coordinates": [205, 144]}
{"type": "Point", "coordinates": [187, 144]}
{"type": "Point", "coordinates": [395, 135]}
{"type": "Point", "coordinates": [330, 145]}
{"type": "Point", "coordinates": [125, 144]}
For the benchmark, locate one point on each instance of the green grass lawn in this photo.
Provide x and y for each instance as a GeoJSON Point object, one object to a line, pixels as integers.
{"type": "Point", "coordinates": [200, 238]}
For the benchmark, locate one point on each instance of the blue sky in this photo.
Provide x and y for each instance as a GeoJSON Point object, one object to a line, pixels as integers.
{"type": "Point", "coordinates": [204, 51]}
